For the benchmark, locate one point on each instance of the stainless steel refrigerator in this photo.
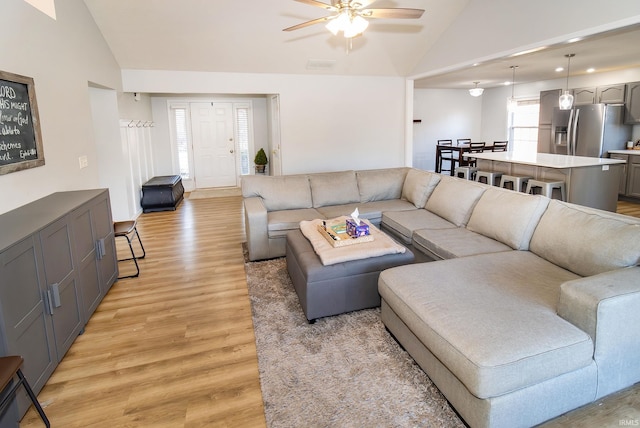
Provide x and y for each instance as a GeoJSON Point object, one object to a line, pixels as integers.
{"type": "Point", "coordinates": [588, 130]}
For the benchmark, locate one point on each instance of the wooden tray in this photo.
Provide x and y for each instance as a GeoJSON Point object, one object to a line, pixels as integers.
{"type": "Point", "coordinates": [342, 239]}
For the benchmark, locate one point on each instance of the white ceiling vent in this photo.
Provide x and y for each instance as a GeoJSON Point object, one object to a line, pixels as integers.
{"type": "Point", "coordinates": [321, 64]}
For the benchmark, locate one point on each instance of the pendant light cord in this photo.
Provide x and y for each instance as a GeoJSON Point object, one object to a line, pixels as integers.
{"type": "Point", "coordinates": [569, 56]}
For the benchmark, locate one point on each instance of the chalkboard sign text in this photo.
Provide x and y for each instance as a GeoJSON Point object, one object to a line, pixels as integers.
{"type": "Point", "coordinates": [20, 136]}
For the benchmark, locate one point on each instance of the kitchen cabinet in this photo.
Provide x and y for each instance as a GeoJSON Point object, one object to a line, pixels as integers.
{"type": "Point", "coordinates": [622, 186]}
{"type": "Point", "coordinates": [633, 177]}
{"type": "Point", "coordinates": [57, 261]}
{"type": "Point", "coordinates": [583, 96]}
{"type": "Point", "coordinates": [632, 115]}
{"type": "Point", "coordinates": [548, 101]}
{"type": "Point", "coordinates": [611, 94]}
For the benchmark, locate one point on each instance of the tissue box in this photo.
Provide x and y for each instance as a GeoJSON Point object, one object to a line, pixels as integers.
{"type": "Point", "coordinates": [356, 230]}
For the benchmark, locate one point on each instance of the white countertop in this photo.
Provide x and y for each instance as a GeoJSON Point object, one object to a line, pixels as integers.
{"type": "Point", "coordinates": [546, 160]}
{"type": "Point", "coordinates": [626, 152]}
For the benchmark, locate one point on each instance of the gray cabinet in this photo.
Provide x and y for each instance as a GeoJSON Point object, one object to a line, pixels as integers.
{"type": "Point", "coordinates": [548, 101]}
{"type": "Point", "coordinates": [57, 261]}
{"type": "Point", "coordinates": [622, 186]}
{"type": "Point", "coordinates": [632, 114]}
{"type": "Point", "coordinates": [583, 96]}
{"type": "Point", "coordinates": [633, 177]}
{"type": "Point", "coordinates": [611, 94]}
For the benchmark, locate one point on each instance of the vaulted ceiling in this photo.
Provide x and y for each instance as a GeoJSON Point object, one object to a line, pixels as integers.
{"type": "Point", "coordinates": [246, 37]}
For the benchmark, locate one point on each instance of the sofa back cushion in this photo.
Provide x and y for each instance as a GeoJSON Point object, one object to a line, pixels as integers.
{"type": "Point", "coordinates": [453, 199]}
{"type": "Point", "coordinates": [334, 188]}
{"type": "Point", "coordinates": [418, 186]}
{"type": "Point", "coordinates": [586, 241]}
{"type": "Point", "coordinates": [283, 192]}
{"type": "Point", "coordinates": [380, 184]}
{"type": "Point", "coordinates": [507, 216]}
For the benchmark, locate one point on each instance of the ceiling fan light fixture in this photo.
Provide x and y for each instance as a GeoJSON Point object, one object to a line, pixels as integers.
{"type": "Point", "coordinates": [338, 23]}
{"type": "Point", "coordinates": [356, 26]}
{"type": "Point", "coordinates": [350, 24]}
{"type": "Point", "coordinates": [476, 92]}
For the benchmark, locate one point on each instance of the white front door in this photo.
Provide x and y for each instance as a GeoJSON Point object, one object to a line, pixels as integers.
{"type": "Point", "coordinates": [214, 151]}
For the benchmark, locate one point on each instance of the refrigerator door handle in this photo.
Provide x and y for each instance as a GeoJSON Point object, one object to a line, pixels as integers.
{"type": "Point", "coordinates": [574, 132]}
{"type": "Point", "coordinates": [569, 131]}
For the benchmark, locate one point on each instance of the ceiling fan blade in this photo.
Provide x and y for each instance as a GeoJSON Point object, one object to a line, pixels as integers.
{"type": "Point", "coordinates": [318, 4]}
{"type": "Point", "coordinates": [308, 23]}
{"type": "Point", "coordinates": [399, 13]}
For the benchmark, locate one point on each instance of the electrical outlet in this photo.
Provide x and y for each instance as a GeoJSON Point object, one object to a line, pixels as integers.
{"type": "Point", "coordinates": [82, 160]}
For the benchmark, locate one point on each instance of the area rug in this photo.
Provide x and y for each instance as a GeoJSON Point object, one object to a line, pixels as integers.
{"type": "Point", "coordinates": [214, 193]}
{"type": "Point", "coordinates": [342, 371]}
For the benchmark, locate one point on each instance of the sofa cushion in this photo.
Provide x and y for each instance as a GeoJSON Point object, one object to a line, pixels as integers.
{"type": "Point", "coordinates": [483, 317]}
{"type": "Point", "coordinates": [334, 188]}
{"type": "Point", "coordinates": [381, 184]}
{"type": "Point", "coordinates": [507, 216]}
{"type": "Point", "coordinates": [371, 211]}
{"type": "Point", "coordinates": [283, 192]}
{"type": "Point", "coordinates": [457, 242]}
{"type": "Point", "coordinates": [403, 223]}
{"type": "Point", "coordinates": [453, 199]}
{"type": "Point", "coordinates": [280, 222]}
{"type": "Point", "coordinates": [586, 241]}
{"type": "Point", "coordinates": [418, 186]}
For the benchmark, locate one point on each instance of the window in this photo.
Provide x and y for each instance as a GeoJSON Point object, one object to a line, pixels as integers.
{"type": "Point", "coordinates": [524, 126]}
{"type": "Point", "coordinates": [181, 135]}
{"type": "Point", "coordinates": [242, 138]}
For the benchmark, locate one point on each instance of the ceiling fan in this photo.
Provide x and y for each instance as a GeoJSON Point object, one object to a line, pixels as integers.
{"type": "Point", "coordinates": [350, 16]}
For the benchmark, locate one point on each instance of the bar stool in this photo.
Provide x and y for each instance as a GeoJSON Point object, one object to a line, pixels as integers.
{"type": "Point", "coordinates": [10, 367]}
{"type": "Point", "coordinates": [127, 229]}
{"type": "Point", "coordinates": [489, 176]}
{"type": "Point", "coordinates": [546, 187]}
{"type": "Point", "coordinates": [516, 181]}
{"type": "Point", "coordinates": [466, 172]}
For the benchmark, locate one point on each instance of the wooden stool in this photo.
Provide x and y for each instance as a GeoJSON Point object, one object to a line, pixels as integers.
{"type": "Point", "coordinates": [466, 172]}
{"type": "Point", "coordinates": [10, 367]}
{"type": "Point", "coordinates": [516, 181]}
{"type": "Point", "coordinates": [489, 176]}
{"type": "Point", "coordinates": [128, 230]}
{"type": "Point", "coordinates": [546, 187]}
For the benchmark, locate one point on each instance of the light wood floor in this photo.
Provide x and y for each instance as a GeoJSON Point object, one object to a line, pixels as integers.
{"type": "Point", "coordinates": [175, 347]}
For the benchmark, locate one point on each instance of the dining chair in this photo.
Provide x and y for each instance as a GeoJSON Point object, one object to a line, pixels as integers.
{"type": "Point", "coordinates": [499, 146]}
{"type": "Point", "coordinates": [475, 148]}
{"type": "Point", "coordinates": [463, 141]}
{"type": "Point", "coordinates": [446, 155]}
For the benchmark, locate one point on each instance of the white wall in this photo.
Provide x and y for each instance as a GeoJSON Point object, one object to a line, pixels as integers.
{"type": "Point", "coordinates": [62, 56]}
{"type": "Point", "coordinates": [445, 114]}
{"type": "Point", "coordinates": [328, 123]}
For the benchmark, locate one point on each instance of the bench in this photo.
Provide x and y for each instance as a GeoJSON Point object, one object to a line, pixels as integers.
{"type": "Point", "coordinates": [162, 193]}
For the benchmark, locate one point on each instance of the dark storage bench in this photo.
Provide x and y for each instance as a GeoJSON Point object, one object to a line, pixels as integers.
{"type": "Point", "coordinates": [162, 193]}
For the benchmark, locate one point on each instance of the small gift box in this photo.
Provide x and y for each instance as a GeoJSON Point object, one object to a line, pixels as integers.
{"type": "Point", "coordinates": [357, 230]}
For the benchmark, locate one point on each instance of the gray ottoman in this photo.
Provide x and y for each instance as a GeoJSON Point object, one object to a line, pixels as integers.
{"type": "Point", "coordinates": [335, 289]}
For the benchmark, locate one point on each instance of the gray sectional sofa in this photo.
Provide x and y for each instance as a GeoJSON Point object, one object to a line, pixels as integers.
{"type": "Point", "coordinates": [531, 307]}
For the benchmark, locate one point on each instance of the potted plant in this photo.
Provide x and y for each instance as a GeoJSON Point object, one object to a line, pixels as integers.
{"type": "Point", "coordinates": [261, 161]}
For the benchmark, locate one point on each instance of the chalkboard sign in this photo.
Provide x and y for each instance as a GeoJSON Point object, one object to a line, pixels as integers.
{"type": "Point", "coordinates": [20, 136]}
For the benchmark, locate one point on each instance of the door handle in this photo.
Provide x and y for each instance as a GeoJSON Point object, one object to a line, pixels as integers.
{"type": "Point", "coordinates": [230, 151]}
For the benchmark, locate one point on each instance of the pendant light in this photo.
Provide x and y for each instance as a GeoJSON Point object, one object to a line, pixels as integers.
{"type": "Point", "coordinates": [566, 99]}
{"type": "Point", "coordinates": [476, 92]}
{"type": "Point", "coordinates": [512, 103]}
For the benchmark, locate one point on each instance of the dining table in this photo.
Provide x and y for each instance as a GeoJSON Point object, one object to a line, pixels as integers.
{"type": "Point", "coordinates": [458, 155]}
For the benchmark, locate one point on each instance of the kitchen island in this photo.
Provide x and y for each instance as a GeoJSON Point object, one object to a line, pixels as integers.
{"type": "Point", "coordinates": [592, 182]}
